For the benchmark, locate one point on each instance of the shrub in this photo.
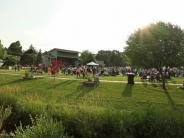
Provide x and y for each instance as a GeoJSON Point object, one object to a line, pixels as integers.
{"type": "Point", "coordinates": [18, 112]}
{"type": "Point", "coordinates": [4, 114]}
{"type": "Point", "coordinates": [28, 74]}
{"type": "Point", "coordinates": [42, 127]}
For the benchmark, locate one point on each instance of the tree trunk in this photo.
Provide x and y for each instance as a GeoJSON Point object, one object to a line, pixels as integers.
{"type": "Point", "coordinates": [163, 79]}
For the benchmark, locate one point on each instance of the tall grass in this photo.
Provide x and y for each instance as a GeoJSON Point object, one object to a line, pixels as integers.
{"type": "Point", "coordinates": [42, 127]}
{"type": "Point", "coordinates": [4, 114]}
{"type": "Point", "coordinates": [149, 122]}
{"type": "Point", "coordinates": [10, 89]}
{"type": "Point", "coordinates": [93, 122]}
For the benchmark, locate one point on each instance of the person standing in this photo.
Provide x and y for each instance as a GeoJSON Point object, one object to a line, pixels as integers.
{"type": "Point", "coordinates": [49, 70]}
{"type": "Point", "coordinates": [78, 72]}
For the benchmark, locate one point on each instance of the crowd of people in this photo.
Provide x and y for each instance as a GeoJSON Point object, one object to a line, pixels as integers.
{"type": "Point", "coordinates": [154, 74]}
{"type": "Point", "coordinates": [79, 71]}
{"type": "Point", "coordinates": [83, 71]}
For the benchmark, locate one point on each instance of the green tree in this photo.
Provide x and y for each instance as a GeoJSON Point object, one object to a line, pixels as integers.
{"type": "Point", "coordinates": [111, 58]}
{"type": "Point", "coordinates": [156, 46]}
{"type": "Point", "coordinates": [105, 56]}
{"type": "Point", "coordinates": [39, 57]}
{"type": "Point", "coordinates": [15, 49]}
{"type": "Point", "coordinates": [86, 56]}
{"type": "Point", "coordinates": [10, 60]}
{"type": "Point", "coordinates": [29, 57]}
{"type": "Point", "coordinates": [2, 50]}
{"type": "Point", "coordinates": [117, 59]}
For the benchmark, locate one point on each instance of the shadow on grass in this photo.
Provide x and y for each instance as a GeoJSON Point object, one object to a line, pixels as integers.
{"type": "Point", "coordinates": [170, 100]}
{"type": "Point", "coordinates": [173, 81]}
{"type": "Point", "coordinates": [62, 83]}
{"type": "Point", "coordinates": [155, 85]}
{"type": "Point", "coordinates": [80, 91]}
{"type": "Point", "coordinates": [13, 82]}
{"type": "Point", "coordinates": [127, 92]}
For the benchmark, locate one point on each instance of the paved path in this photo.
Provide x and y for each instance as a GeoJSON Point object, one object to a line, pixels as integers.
{"type": "Point", "coordinates": [107, 81]}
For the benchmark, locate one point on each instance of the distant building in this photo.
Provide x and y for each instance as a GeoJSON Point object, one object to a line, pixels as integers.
{"type": "Point", "coordinates": [61, 56]}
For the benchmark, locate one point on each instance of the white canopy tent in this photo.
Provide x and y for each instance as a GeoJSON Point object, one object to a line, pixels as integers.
{"type": "Point", "coordinates": [92, 64]}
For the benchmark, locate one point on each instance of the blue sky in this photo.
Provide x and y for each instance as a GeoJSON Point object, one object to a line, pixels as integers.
{"type": "Point", "coordinates": [81, 24]}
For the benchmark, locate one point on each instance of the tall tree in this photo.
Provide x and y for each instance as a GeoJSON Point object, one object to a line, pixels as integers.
{"type": "Point", "coordinates": [15, 49]}
{"type": "Point", "coordinates": [156, 46]}
{"type": "Point", "coordinates": [29, 57]}
{"type": "Point", "coordinates": [111, 58]}
{"type": "Point", "coordinates": [105, 56]}
{"type": "Point", "coordinates": [39, 57]}
{"type": "Point", "coordinates": [10, 60]}
{"type": "Point", "coordinates": [2, 50]}
{"type": "Point", "coordinates": [86, 56]}
{"type": "Point", "coordinates": [117, 59]}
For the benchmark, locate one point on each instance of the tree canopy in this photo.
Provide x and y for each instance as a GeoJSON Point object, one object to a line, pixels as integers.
{"type": "Point", "coordinates": [86, 57]}
{"type": "Point", "coordinates": [15, 49]}
{"type": "Point", "coordinates": [111, 58]}
{"type": "Point", "coordinates": [29, 56]}
{"type": "Point", "coordinates": [2, 50]}
{"type": "Point", "coordinates": [156, 45]}
{"type": "Point", "coordinates": [10, 60]}
{"type": "Point", "coordinates": [39, 57]}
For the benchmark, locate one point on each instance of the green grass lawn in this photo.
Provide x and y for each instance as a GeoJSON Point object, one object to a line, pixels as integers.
{"type": "Point", "coordinates": [108, 110]}
{"type": "Point", "coordinates": [106, 95]}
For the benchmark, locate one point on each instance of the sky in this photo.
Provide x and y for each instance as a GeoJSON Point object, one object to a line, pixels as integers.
{"type": "Point", "coordinates": [81, 24]}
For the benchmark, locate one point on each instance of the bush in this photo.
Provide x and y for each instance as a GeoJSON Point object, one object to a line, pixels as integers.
{"type": "Point", "coordinates": [28, 74]}
{"type": "Point", "coordinates": [42, 127]}
{"type": "Point", "coordinates": [18, 114]}
{"type": "Point", "coordinates": [4, 114]}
